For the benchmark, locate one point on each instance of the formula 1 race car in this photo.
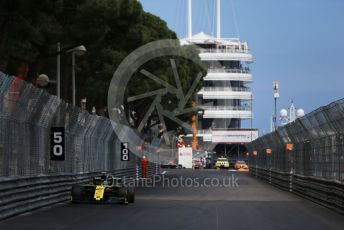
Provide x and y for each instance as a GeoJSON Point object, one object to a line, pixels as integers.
{"type": "Point", "coordinates": [104, 189]}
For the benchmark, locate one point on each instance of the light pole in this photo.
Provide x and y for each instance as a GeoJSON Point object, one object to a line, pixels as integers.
{"type": "Point", "coordinates": [79, 50]}
{"type": "Point", "coordinates": [73, 76]}
{"type": "Point", "coordinates": [251, 114]}
{"type": "Point", "coordinates": [276, 96]}
{"type": "Point", "coordinates": [58, 71]}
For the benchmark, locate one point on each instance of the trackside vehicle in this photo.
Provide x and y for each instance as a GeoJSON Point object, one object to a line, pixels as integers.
{"type": "Point", "coordinates": [241, 165]}
{"type": "Point", "coordinates": [222, 162]}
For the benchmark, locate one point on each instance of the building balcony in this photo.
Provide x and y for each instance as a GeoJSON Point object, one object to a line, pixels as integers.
{"type": "Point", "coordinates": [204, 131]}
{"type": "Point", "coordinates": [227, 74]}
{"type": "Point", "coordinates": [225, 55]}
{"type": "Point", "coordinates": [236, 89]}
{"type": "Point", "coordinates": [228, 70]}
{"type": "Point", "coordinates": [224, 50]}
{"type": "Point", "coordinates": [228, 136]}
{"type": "Point", "coordinates": [218, 76]}
{"type": "Point", "coordinates": [217, 113]}
{"type": "Point", "coordinates": [240, 95]}
{"type": "Point", "coordinates": [205, 134]}
{"type": "Point", "coordinates": [215, 108]}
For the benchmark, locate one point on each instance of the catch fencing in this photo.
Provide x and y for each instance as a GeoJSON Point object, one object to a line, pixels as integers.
{"type": "Point", "coordinates": [305, 156]}
{"type": "Point", "coordinates": [26, 117]}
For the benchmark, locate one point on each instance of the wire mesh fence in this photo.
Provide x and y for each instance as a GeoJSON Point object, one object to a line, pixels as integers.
{"type": "Point", "coordinates": [317, 141]}
{"type": "Point", "coordinates": [26, 115]}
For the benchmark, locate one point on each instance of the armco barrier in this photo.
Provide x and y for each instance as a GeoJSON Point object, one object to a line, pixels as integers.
{"type": "Point", "coordinates": [329, 193]}
{"type": "Point", "coordinates": [19, 195]}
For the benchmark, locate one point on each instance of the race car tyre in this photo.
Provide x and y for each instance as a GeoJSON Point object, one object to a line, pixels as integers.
{"type": "Point", "coordinates": [76, 192]}
{"type": "Point", "coordinates": [131, 195]}
{"type": "Point", "coordinates": [123, 194]}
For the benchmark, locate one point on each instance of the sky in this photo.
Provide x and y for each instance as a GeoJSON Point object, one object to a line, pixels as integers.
{"type": "Point", "coordinates": [299, 43]}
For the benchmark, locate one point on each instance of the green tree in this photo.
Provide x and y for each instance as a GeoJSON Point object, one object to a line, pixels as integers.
{"type": "Point", "coordinates": [109, 29]}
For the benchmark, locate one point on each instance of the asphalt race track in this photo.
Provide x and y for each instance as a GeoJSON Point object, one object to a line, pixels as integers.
{"type": "Point", "coordinates": [247, 204]}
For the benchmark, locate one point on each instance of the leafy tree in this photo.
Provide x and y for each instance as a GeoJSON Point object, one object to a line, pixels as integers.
{"type": "Point", "coordinates": [109, 29]}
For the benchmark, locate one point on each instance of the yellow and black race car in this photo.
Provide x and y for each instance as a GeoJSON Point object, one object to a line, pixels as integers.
{"type": "Point", "coordinates": [104, 189]}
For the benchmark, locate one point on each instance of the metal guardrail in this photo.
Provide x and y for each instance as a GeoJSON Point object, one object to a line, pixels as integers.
{"type": "Point", "coordinates": [329, 193]}
{"type": "Point", "coordinates": [313, 164]}
{"type": "Point", "coordinates": [23, 194]}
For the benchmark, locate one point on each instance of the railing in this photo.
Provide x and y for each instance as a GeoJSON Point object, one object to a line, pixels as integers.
{"type": "Point", "coordinates": [238, 108]}
{"type": "Point", "coordinates": [22, 194]}
{"type": "Point", "coordinates": [310, 151]}
{"type": "Point", "coordinates": [228, 70]}
{"type": "Point", "coordinates": [221, 50]}
{"type": "Point", "coordinates": [235, 89]}
{"type": "Point", "coordinates": [329, 193]}
{"type": "Point", "coordinates": [209, 131]}
{"type": "Point", "coordinates": [204, 131]}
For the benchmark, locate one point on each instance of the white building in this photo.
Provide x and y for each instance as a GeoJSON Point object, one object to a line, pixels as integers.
{"type": "Point", "coordinates": [225, 97]}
